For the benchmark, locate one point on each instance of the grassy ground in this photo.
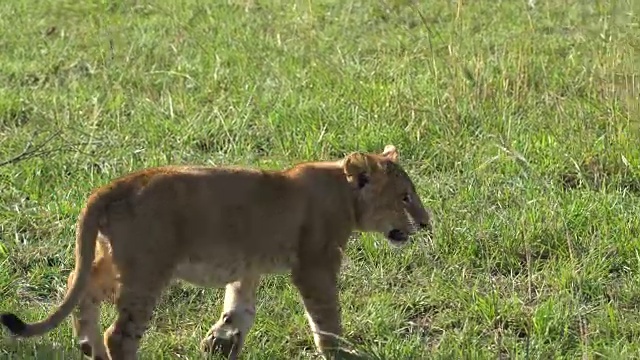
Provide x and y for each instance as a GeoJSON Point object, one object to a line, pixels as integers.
{"type": "Point", "coordinates": [521, 126]}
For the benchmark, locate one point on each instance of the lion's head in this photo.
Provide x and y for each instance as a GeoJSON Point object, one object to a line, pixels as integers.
{"type": "Point", "coordinates": [387, 201]}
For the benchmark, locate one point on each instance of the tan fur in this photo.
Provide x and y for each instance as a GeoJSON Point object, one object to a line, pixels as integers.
{"type": "Point", "coordinates": [226, 227]}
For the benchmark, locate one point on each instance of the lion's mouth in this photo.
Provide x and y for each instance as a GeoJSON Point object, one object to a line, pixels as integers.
{"type": "Point", "coordinates": [397, 236]}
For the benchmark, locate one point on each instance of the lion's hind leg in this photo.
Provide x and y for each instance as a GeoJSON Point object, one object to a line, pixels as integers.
{"type": "Point", "coordinates": [227, 336]}
{"type": "Point", "coordinates": [86, 317]}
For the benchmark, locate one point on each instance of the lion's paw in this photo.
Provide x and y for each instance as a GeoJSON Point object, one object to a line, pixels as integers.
{"type": "Point", "coordinates": [88, 350]}
{"type": "Point", "coordinates": [223, 339]}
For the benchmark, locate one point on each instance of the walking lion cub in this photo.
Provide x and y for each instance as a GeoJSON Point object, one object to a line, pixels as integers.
{"type": "Point", "coordinates": [224, 226]}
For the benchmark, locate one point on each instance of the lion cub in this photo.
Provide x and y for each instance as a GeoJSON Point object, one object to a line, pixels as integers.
{"type": "Point", "coordinates": [223, 226]}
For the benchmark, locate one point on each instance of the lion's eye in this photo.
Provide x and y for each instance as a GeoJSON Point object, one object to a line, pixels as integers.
{"type": "Point", "coordinates": [406, 198]}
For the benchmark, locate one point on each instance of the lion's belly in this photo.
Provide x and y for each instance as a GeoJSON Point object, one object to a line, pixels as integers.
{"type": "Point", "coordinates": [221, 272]}
{"type": "Point", "coordinates": [206, 275]}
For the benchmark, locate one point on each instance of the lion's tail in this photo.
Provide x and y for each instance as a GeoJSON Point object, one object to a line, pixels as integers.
{"type": "Point", "coordinates": [86, 235]}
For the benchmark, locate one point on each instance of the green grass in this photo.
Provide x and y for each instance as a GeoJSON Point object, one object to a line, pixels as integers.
{"type": "Point", "coordinates": [521, 127]}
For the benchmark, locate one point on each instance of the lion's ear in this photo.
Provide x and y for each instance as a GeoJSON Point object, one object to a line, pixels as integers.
{"type": "Point", "coordinates": [391, 153]}
{"type": "Point", "coordinates": [358, 168]}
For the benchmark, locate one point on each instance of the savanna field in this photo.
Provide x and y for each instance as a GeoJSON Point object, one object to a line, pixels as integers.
{"type": "Point", "coordinates": [520, 123]}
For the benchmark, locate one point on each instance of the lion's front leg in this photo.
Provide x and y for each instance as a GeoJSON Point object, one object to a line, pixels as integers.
{"type": "Point", "coordinates": [238, 315]}
{"type": "Point", "coordinates": [319, 291]}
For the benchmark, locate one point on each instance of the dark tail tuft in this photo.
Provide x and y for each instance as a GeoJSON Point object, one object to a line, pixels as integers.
{"type": "Point", "coordinates": [13, 323]}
